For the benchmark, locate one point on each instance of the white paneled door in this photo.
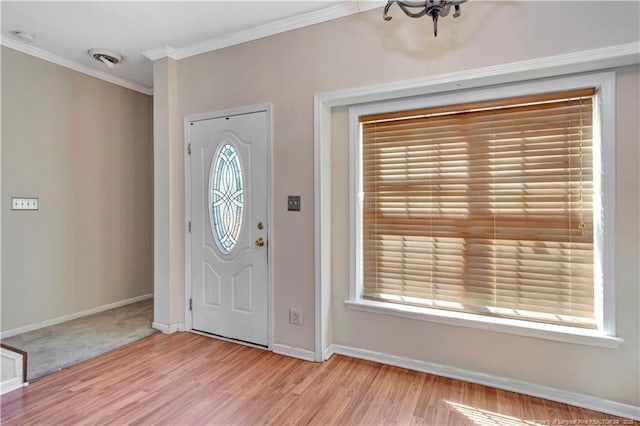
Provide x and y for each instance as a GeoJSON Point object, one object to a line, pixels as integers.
{"type": "Point", "coordinates": [229, 270]}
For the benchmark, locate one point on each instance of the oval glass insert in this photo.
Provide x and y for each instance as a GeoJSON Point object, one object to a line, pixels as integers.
{"type": "Point", "coordinates": [226, 197]}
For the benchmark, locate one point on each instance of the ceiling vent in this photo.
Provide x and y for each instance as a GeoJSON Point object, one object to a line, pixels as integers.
{"type": "Point", "coordinates": [106, 56]}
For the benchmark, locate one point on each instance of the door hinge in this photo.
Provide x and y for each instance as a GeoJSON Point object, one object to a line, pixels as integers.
{"type": "Point", "coordinates": [189, 226]}
{"type": "Point", "coordinates": [191, 304]}
{"type": "Point", "coordinates": [189, 148]}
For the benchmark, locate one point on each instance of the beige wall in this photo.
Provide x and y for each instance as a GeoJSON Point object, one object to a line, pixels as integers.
{"type": "Point", "coordinates": [288, 69]}
{"type": "Point", "coordinates": [168, 152]}
{"type": "Point", "coordinates": [559, 365]}
{"type": "Point", "coordinates": [84, 147]}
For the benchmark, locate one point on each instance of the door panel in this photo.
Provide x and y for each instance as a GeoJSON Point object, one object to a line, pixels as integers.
{"type": "Point", "coordinates": [229, 199]}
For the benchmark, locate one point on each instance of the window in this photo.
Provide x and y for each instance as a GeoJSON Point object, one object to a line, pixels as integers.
{"type": "Point", "coordinates": [226, 197]}
{"type": "Point", "coordinates": [485, 206]}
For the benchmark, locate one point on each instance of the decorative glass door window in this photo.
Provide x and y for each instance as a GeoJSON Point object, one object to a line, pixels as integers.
{"type": "Point", "coordinates": [226, 197]}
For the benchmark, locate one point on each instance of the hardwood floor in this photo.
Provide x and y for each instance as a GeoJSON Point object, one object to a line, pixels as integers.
{"type": "Point", "coordinates": [187, 379]}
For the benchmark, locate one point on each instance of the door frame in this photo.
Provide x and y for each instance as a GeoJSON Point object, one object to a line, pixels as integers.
{"type": "Point", "coordinates": [188, 315]}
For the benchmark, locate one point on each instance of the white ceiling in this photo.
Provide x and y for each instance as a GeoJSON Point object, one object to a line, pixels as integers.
{"type": "Point", "coordinates": [69, 29]}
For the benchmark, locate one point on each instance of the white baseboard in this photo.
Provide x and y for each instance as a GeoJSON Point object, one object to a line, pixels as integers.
{"type": "Point", "coordinates": [165, 328]}
{"type": "Point", "coordinates": [64, 318]}
{"type": "Point", "coordinates": [168, 328]}
{"type": "Point", "coordinates": [11, 384]}
{"type": "Point", "coordinates": [12, 374]}
{"type": "Point", "coordinates": [294, 352]}
{"type": "Point", "coordinates": [565, 397]}
{"type": "Point", "coordinates": [327, 353]}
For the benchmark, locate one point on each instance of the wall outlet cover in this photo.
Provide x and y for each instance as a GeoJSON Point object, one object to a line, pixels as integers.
{"type": "Point", "coordinates": [295, 316]}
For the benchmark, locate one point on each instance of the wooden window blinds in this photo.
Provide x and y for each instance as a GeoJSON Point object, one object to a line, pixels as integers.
{"type": "Point", "coordinates": [483, 207]}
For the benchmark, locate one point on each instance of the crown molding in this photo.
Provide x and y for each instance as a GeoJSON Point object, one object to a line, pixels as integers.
{"type": "Point", "coordinates": [161, 52]}
{"type": "Point", "coordinates": [283, 25]}
{"type": "Point", "coordinates": [68, 63]}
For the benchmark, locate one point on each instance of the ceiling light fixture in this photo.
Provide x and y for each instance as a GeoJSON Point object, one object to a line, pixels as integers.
{"type": "Point", "coordinates": [23, 36]}
{"type": "Point", "coordinates": [106, 56]}
{"type": "Point", "coordinates": [433, 8]}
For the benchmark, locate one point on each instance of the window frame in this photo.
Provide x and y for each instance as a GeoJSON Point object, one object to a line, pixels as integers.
{"type": "Point", "coordinates": [603, 210]}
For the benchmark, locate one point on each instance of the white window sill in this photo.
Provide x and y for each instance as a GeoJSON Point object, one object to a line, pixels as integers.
{"type": "Point", "coordinates": [502, 325]}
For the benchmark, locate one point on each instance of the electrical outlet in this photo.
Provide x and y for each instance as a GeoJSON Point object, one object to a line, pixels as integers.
{"type": "Point", "coordinates": [295, 316]}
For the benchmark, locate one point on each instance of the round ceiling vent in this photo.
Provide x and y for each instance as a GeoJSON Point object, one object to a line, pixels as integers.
{"type": "Point", "coordinates": [106, 56]}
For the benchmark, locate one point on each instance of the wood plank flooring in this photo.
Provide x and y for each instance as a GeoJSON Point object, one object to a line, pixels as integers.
{"type": "Point", "coordinates": [188, 379]}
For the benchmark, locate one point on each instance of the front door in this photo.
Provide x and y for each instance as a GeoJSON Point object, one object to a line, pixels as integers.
{"type": "Point", "coordinates": [229, 270]}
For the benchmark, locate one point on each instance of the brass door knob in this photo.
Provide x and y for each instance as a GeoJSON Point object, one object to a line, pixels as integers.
{"type": "Point", "coordinates": [260, 242]}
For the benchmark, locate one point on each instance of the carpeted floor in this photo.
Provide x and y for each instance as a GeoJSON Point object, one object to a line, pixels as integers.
{"type": "Point", "coordinates": [52, 348]}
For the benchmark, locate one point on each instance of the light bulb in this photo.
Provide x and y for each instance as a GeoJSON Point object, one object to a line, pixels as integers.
{"type": "Point", "coordinates": [105, 61]}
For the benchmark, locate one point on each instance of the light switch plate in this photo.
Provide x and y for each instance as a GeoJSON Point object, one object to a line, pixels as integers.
{"type": "Point", "coordinates": [293, 203]}
{"type": "Point", "coordinates": [22, 203]}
